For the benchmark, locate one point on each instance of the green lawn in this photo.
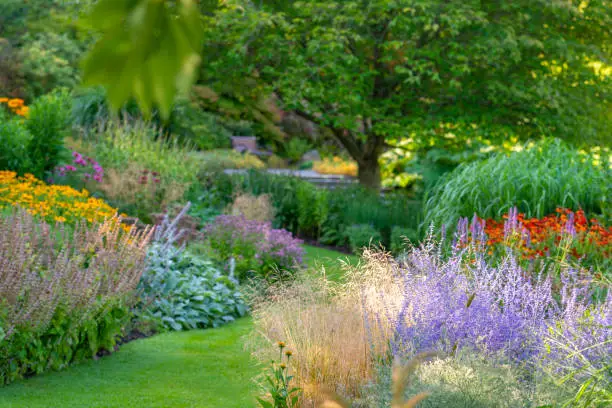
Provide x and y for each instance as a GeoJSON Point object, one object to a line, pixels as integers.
{"type": "Point", "coordinates": [316, 258]}
{"type": "Point", "coordinates": [203, 368]}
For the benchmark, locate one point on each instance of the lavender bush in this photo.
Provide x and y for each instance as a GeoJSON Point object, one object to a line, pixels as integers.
{"type": "Point", "coordinates": [461, 303]}
{"type": "Point", "coordinates": [256, 247]}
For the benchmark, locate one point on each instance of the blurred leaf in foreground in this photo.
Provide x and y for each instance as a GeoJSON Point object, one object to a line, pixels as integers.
{"type": "Point", "coordinates": [148, 49]}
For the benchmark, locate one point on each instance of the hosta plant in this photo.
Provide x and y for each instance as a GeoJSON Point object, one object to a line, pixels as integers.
{"type": "Point", "coordinates": [185, 292]}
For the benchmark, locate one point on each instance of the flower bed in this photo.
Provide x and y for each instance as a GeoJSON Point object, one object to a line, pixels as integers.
{"type": "Point", "coordinates": [54, 203]}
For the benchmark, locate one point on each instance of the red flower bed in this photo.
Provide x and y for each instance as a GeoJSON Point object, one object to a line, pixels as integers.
{"type": "Point", "coordinates": [564, 233]}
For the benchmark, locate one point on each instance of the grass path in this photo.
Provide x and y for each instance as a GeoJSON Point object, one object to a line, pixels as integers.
{"type": "Point", "coordinates": [200, 368]}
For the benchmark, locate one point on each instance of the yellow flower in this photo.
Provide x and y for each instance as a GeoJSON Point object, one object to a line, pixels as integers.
{"type": "Point", "coordinates": [60, 219]}
{"type": "Point", "coordinates": [283, 366]}
{"type": "Point", "coordinates": [288, 353]}
{"type": "Point", "coordinates": [281, 344]}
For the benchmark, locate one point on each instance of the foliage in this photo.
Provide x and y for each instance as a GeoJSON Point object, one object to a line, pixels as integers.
{"type": "Point", "coordinates": [328, 331]}
{"type": "Point", "coordinates": [49, 60]}
{"type": "Point", "coordinates": [302, 208]}
{"type": "Point", "coordinates": [142, 193]}
{"type": "Point", "coordinates": [147, 49]}
{"type": "Point", "coordinates": [295, 148]}
{"type": "Point", "coordinates": [202, 129]}
{"type": "Point", "coordinates": [65, 292]}
{"type": "Point", "coordinates": [371, 70]}
{"type": "Point", "coordinates": [15, 140]}
{"type": "Point", "coordinates": [336, 165]}
{"type": "Point", "coordinates": [186, 292]}
{"type": "Point", "coordinates": [537, 179]}
{"type": "Point", "coordinates": [362, 235]}
{"type": "Point", "coordinates": [221, 159]}
{"type": "Point", "coordinates": [48, 124]}
{"type": "Point", "coordinates": [54, 203]}
{"type": "Point", "coordinates": [257, 249]}
{"type": "Point", "coordinates": [401, 237]}
{"type": "Point", "coordinates": [89, 108]}
{"type": "Point", "coordinates": [279, 380]}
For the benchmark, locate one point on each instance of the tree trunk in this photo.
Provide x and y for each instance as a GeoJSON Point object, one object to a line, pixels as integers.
{"type": "Point", "coordinates": [368, 172]}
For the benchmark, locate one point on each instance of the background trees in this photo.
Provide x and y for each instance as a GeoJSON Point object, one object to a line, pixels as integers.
{"type": "Point", "coordinates": [372, 70]}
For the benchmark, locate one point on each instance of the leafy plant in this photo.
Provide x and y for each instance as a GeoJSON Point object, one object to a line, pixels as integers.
{"type": "Point", "coordinates": [191, 124]}
{"type": "Point", "coordinates": [48, 123]}
{"type": "Point", "coordinates": [400, 237]}
{"type": "Point", "coordinates": [362, 236]}
{"type": "Point", "coordinates": [135, 36]}
{"type": "Point", "coordinates": [184, 292]}
{"type": "Point", "coordinates": [15, 140]}
{"type": "Point", "coordinates": [283, 395]}
{"type": "Point", "coordinates": [296, 148]}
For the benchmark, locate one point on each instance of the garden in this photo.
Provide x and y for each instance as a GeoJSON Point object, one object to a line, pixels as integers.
{"type": "Point", "coordinates": [151, 256]}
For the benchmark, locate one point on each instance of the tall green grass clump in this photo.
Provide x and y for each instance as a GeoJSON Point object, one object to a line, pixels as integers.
{"type": "Point", "coordinates": [120, 143]}
{"type": "Point", "coordinates": [537, 179]}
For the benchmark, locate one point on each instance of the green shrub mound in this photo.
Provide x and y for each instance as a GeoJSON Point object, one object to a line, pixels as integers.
{"type": "Point", "coordinates": [536, 180]}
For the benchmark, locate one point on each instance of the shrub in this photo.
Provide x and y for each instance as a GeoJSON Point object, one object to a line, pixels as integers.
{"type": "Point", "coordinates": [296, 148]}
{"type": "Point", "coordinates": [252, 207]}
{"type": "Point", "coordinates": [48, 124]}
{"type": "Point", "coordinates": [202, 129]}
{"type": "Point", "coordinates": [53, 203]}
{"type": "Point", "coordinates": [65, 292]}
{"type": "Point", "coordinates": [401, 237]}
{"type": "Point", "coordinates": [360, 236]}
{"type": "Point", "coordinates": [257, 248]}
{"type": "Point", "coordinates": [15, 140]}
{"type": "Point", "coordinates": [536, 180]}
{"type": "Point", "coordinates": [187, 292]}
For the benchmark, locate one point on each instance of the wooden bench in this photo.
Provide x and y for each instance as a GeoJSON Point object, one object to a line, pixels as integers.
{"type": "Point", "coordinates": [248, 144]}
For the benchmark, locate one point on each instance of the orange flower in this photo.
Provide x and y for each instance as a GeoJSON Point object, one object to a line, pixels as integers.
{"type": "Point", "coordinates": [15, 103]}
{"type": "Point", "coordinates": [4, 100]}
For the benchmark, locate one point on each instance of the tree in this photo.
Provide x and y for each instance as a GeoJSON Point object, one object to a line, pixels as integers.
{"type": "Point", "coordinates": [368, 70]}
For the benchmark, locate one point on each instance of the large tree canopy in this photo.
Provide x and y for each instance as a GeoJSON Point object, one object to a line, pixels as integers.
{"type": "Point", "coordinates": [370, 69]}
